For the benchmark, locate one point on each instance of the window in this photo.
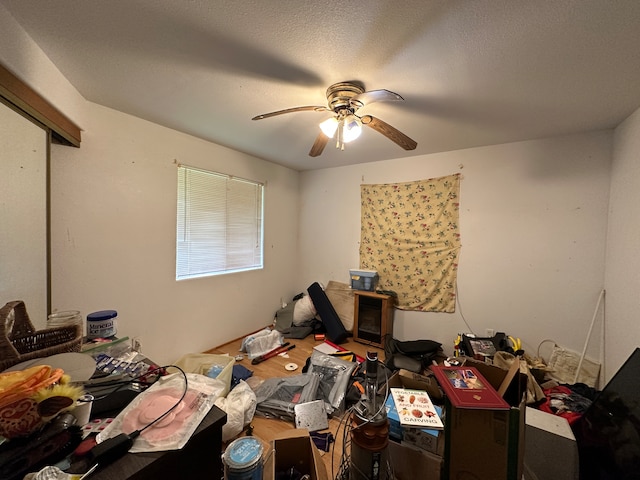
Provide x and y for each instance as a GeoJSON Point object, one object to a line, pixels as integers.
{"type": "Point", "coordinates": [219, 224]}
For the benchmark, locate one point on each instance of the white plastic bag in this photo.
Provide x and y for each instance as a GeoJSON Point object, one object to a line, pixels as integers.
{"type": "Point", "coordinates": [240, 406]}
{"type": "Point", "coordinates": [262, 342]}
{"type": "Point", "coordinates": [174, 430]}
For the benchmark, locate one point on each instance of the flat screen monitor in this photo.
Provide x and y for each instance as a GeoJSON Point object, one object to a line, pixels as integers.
{"type": "Point", "coordinates": [608, 434]}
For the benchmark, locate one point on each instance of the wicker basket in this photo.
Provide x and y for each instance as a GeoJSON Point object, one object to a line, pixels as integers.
{"type": "Point", "coordinates": [19, 340]}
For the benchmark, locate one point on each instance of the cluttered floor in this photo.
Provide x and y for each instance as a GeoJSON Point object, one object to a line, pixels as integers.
{"type": "Point", "coordinates": [544, 423]}
{"type": "Point", "coordinates": [314, 402]}
{"type": "Point", "coordinates": [425, 454]}
{"type": "Point", "coordinates": [289, 364]}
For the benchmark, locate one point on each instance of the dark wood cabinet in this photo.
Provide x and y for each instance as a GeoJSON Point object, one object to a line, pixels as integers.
{"type": "Point", "coordinates": [373, 317]}
{"type": "Point", "coordinates": [201, 457]}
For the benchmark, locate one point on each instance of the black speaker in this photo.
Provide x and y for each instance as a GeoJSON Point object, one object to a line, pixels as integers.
{"type": "Point", "coordinates": [330, 319]}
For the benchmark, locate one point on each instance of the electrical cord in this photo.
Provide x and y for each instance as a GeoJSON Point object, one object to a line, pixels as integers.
{"type": "Point", "coordinates": [348, 428]}
{"type": "Point", "coordinates": [460, 307]}
{"type": "Point", "coordinates": [344, 459]}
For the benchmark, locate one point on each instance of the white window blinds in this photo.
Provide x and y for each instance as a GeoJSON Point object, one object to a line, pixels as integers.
{"type": "Point", "coordinates": [219, 224]}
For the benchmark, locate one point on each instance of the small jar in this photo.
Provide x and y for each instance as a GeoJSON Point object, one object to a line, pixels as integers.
{"type": "Point", "coordinates": [101, 324]}
{"type": "Point", "coordinates": [65, 318]}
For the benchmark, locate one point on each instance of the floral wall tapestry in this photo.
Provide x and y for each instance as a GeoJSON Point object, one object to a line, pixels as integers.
{"type": "Point", "coordinates": [410, 236]}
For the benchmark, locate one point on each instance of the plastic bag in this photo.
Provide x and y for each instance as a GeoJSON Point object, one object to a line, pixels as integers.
{"type": "Point", "coordinates": [261, 342]}
{"type": "Point", "coordinates": [240, 406]}
{"type": "Point", "coordinates": [277, 397]}
{"type": "Point", "coordinates": [335, 378]}
{"type": "Point", "coordinates": [174, 430]}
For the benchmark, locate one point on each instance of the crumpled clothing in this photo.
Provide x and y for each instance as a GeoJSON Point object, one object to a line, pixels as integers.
{"type": "Point", "coordinates": [564, 402]}
{"type": "Point", "coordinates": [239, 372]}
{"type": "Point", "coordinates": [322, 440]}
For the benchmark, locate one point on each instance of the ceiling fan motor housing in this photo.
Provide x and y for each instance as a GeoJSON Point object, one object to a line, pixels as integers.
{"type": "Point", "coordinates": [339, 95]}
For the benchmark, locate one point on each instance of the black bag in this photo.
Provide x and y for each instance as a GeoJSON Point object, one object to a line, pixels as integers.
{"type": "Point", "coordinates": [330, 319]}
{"type": "Point", "coordinates": [412, 355]}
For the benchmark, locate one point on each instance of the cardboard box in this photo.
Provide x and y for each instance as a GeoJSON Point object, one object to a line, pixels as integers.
{"type": "Point", "coordinates": [486, 443]}
{"type": "Point", "coordinates": [294, 448]}
{"type": "Point", "coordinates": [512, 387]}
{"type": "Point", "coordinates": [406, 379]}
{"type": "Point", "coordinates": [395, 429]}
{"type": "Point", "coordinates": [431, 441]}
{"type": "Point", "coordinates": [551, 449]}
{"type": "Point", "coordinates": [410, 463]}
{"type": "Point", "coordinates": [427, 439]}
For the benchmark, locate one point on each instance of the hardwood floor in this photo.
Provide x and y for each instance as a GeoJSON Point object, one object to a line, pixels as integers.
{"type": "Point", "coordinates": [267, 428]}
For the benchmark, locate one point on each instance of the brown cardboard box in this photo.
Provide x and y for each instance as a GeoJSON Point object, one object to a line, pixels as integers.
{"type": "Point", "coordinates": [294, 448]}
{"type": "Point", "coordinates": [415, 381]}
{"type": "Point", "coordinates": [410, 463]}
{"type": "Point", "coordinates": [406, 379]}
{"type": "Point", "coordinates": [486, 444]}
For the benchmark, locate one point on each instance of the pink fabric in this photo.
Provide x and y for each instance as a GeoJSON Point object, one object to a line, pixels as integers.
{"type": "Point", "coordinates": [153, 405]}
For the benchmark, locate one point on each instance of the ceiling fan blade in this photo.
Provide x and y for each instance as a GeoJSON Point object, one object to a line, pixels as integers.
{"type": "Point", "coordinates": [291, 110]}
{"type": "Point", "coordinates": [390, 132]}
{"type": "Point", "coordinates": [371, 96]}
{"type": "Point", "coordinates": [318, 145]}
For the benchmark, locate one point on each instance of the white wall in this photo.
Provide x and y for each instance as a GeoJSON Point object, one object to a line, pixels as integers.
{"type": "Point", "coordinates": [622, 280]}
{"type": "Point", "coordinates": [113, 211]}
{"type": "Point", "coordinates": [113, 222]}
{"type": "Point", "coordinates": [20, 54]}
{"type": "Point", "coordinates": [533, 222]}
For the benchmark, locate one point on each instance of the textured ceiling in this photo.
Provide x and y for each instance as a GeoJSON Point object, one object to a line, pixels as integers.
{"type": "Point", "coordinates": [472, 72]}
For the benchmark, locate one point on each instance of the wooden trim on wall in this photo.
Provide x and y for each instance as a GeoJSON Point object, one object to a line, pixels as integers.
{"type": "Point", "coordinates": [17, 92]}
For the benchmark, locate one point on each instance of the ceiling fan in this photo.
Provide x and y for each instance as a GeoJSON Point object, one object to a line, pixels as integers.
{"type": "Point", "coordinates": [344, 99]}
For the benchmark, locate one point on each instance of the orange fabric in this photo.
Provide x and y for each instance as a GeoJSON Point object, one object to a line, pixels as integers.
{"type": "Point", "coordinates": [25, 383]}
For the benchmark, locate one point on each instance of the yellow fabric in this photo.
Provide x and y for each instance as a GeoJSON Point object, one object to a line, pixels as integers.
{"type": "Point", "coordinates": [410, 236]}
{"type": "Point", "coordinates": [25, 383]}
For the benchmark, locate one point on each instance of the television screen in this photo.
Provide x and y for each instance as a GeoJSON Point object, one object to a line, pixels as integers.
{"type": "Point", "coordinates": [608, 434]}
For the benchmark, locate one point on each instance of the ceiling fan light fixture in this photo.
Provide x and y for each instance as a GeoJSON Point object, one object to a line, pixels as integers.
{"type": "Point", "coordinates": [329, 126]}
{"type": "Point", "coordinates": [352, 128]}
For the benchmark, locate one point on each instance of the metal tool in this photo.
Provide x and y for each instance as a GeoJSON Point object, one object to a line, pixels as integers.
{"type": "Point", "coordinates": [276, 351]}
